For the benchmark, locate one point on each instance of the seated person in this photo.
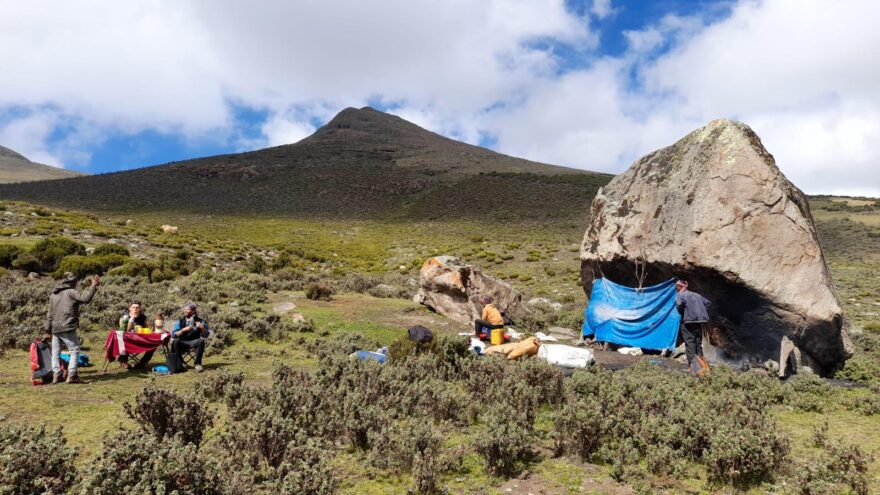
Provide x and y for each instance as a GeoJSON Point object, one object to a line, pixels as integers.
{"type": "Point", "coordinates": [489, 320]}
{"type": "Point", "coordinates": [190, 332]}
{"type": "Point", "coordinates": [129, 322]}
{"type": "Point", "coordinates": [158, 325]}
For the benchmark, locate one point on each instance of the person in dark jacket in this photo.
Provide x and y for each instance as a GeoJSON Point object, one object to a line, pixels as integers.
{"type": "Point", "coordinates": [694, 310]}
{"type": "Point", "coordinates": [62, 320]}
{"type": "Point", "coordinates": [190, 332]}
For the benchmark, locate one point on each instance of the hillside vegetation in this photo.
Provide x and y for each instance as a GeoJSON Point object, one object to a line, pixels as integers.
{"type": "Point", "coordinates": [551, 428]}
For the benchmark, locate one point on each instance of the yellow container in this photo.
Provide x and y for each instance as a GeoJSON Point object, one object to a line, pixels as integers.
{"type": "Point", "coordinates": [497, 337]}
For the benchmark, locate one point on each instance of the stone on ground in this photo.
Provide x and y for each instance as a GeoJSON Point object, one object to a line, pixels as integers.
{"type": "Point", "coordinates": [714, 208]}
{"type": "Point", "coordinates": [455, 289]}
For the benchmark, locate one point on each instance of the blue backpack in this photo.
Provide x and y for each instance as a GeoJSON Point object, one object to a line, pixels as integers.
{"type": "Point", "coordinates": [161, 369]}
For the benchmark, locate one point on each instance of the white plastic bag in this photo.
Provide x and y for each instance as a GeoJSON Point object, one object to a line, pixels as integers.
{"type": "Point", "coordinates": [566, 355]}
{"type": "Point", "coordinates": [631, 351]}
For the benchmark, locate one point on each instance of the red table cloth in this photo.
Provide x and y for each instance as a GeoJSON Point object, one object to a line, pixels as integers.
{"type": "Point", "coordinates": [125, 343]}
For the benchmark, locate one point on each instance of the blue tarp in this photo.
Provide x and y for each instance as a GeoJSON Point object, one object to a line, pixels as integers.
{"type": "Point", "coordinates": [644, 318]}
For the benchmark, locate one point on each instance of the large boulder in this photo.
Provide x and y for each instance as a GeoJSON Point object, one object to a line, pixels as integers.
{"type": "Point", "coordinates": [455, 289]}
{"type": "Point", "coordinates": [714, 208]}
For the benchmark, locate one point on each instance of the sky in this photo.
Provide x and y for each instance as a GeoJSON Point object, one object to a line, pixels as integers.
{"type": "Point", "coordinates": [100, 85]}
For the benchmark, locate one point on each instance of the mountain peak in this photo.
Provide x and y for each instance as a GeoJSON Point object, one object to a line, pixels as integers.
{"type": "Point", "coordinates": [367, 123]}
{"type": "Point", "coordinates": [8, 153]}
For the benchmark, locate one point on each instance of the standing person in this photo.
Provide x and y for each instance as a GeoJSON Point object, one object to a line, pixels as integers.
{"type": "Point", "coordinates": [190, 332]}
{"type": "Point", "coordinates": [490, 318]}
{"type": "Point", "coordinates": [133, 319]}
{"type": "Point", "coordinates": [694, 310]}
{"type": "Point", "coordinates": [62, 320]}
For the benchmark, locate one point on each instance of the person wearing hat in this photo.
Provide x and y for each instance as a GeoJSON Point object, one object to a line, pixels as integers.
{"type": "Point", "coordinates": [190, 332]}
{"type": "Point", "coordinates": [694, 311]}
{"type": "Point", "coordinates": [62, 320]}
{"type": "Point", "coordinates": [490, 318]}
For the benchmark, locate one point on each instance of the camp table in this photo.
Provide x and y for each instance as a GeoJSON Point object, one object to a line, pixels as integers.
{"type": "Point", "coordinates": [121, 343]}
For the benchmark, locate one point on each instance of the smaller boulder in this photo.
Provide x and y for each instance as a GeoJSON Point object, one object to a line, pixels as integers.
{"type": "Point", "coordinates": [455, 289]}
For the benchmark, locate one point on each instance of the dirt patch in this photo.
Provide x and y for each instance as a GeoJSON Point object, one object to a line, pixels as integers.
{"type": "Point", "coordinates": [540, 484]}
{"type": "Point", "coordinates": [283, 307]}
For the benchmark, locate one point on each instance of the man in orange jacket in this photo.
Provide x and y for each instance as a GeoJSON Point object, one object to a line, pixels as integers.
{"type": "Point", "coordinates": [490, 319]}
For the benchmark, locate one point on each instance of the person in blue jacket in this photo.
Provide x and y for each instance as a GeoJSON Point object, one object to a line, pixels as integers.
{"type": "Point", "coordinates": [694, 311]}
{"type": "Point", "coordinates": [190, 332]}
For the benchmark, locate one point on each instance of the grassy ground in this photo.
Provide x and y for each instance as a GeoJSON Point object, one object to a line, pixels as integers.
{"type": "Point", "coordinates": [538, 259]}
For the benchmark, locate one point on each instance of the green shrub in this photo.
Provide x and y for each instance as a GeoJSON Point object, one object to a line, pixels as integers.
{"type": "Point", "coordinates": [27, 262]}
{"type": "Point", "coordinates": [134, 268]}
{"type": "Point", "coordinates": [105, 249]}
{"type": "Point", "coordinates": [8, 254]}
{"type": "Point", "coordinates": [165, 414]}
{"type": "Point", "coordinates": [83, 266]}
{"type": "Point", "coordinates": [274, 328]}
{"type": "Point", "coordinates": [34, 460]}
{"type": "Point", "coordinates": [837, 465]}
{"type": "Point", "coordinates": [256, 264]}
{"type": "Point", "coordinates": [506, 445]}
{"type": "Point", "coordinates": [270, 453]}
{"type": "Point", "coordinates": [216, 386]}
{"type": "Point", "coordinates": [319, 291]}
{"type": "Point", "coordinates": [137, 462]}
{"type": "Point", "coordinates": [50, 251]}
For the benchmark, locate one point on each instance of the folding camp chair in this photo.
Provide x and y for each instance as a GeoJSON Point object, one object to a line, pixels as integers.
{"type": "Point", "coordinates": [187, 356]}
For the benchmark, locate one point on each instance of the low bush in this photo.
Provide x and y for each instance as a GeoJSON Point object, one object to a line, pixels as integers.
{"type": "Point", "coordinates": [256, 264]}
{"type": "Point", "coordinates": [137, 462]}
{"type": "Point", "coordinates": [215, 387]}
{"type": "Point", "coordinates": [165, 414]}
{"type": "Point", "coordinates": [275, 328]}
{"type": "Point", "coordinates": [506, 445]}
{"type": "Point", "coordinates": [109, 248]}
{"type": "Point", "coordinates": [27, 262]}
{"type": "Point", "coordinates": [8, 254]}
{"type": "Point", "coordinates": [838, 465]}
{"type": "Point", "coordinates": [83, 266]}
{"type": "Point", "coordinates": [133, 268]}
{"type": "Point", "coordinates": [50, 251]}
{"type": "Point", "coordinates": [35, 460]}
{"type": "Point", "coordinates": [668, 420]}
{"type": "Point", "coordinates": [319, 291]}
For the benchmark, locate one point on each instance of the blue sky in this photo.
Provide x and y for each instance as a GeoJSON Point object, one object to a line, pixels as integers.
{"type": "Point", "coordinates": [591, 84]}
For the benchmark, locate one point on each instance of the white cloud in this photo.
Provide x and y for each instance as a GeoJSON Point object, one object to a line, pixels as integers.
{"type": "Point", "coordinates": [280, 130]}
{"type": "Point", "coordinates": [601, 8]}
{"type": "Point", "coordinates": [800, 73]}
{"type": "Point", "coordinates": [27, 136]}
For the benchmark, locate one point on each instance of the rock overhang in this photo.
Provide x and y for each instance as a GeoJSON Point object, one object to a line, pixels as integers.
{"type": "Point", "coordinates": [714, 208]}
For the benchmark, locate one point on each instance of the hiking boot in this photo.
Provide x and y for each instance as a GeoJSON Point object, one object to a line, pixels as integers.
{"type": "Point", "coordinates": [71, 379]}
{"type": "Point", "coordinates": [199, 368]}
{"type": "Point", "coordinates": [57, 378]}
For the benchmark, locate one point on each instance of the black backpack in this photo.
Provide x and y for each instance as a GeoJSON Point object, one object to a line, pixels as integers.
{"type": "Point", "coordinates": [174, 362]}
